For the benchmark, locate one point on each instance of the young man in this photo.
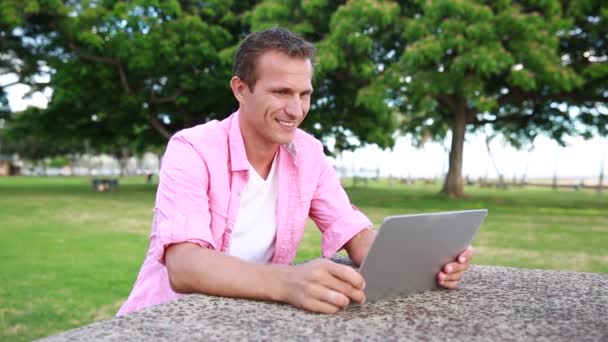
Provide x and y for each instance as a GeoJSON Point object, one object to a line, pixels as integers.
{"type": "Point", "coordinates": [234, 197]}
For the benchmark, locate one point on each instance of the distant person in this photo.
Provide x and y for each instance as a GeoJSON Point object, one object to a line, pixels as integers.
{"type": "Point", "coordinates": [233, 197]}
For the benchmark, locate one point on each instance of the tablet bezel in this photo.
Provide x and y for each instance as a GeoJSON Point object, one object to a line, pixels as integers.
{"type": "Point", "coordinates": [409, 251]}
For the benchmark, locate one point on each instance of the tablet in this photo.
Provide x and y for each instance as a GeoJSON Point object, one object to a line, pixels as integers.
{"type": "Point", "coordinates": [410, 250]}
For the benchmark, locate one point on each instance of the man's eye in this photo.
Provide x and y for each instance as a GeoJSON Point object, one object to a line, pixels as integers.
{"type": "Point", "coordinates": [281, 92]}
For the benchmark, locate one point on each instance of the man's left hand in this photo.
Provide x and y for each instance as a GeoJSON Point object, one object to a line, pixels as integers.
{"type": "Point", "coordinates": [451, 274]}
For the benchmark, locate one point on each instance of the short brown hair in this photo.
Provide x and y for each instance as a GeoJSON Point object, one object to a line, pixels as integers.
{"type": "Point", "coordinates": [273, 39]}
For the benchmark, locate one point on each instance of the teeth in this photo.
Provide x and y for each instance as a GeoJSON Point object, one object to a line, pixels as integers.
{"type": "Point", "coordinates": [286, 123]}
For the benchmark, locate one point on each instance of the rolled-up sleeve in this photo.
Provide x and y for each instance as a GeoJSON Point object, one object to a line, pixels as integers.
{"type": "Point", "coordinates": [338, 220]}
{"type": "Point", "coordinates": [182, 203]}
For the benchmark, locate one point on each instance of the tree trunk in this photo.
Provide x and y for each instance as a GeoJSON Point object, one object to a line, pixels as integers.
{"type": "Point", "coordinates": [123, 160]}
{"type": "Point", "coordinates": [453, 185]}
{"type": "Point", "coordinates": [501, 178]}
{"type": "Point", "coordinates": [44, 169]}
{"type": "Point", "coordinates": [72, 159]}
{"type": "Point", "coordinates": [88, 152]}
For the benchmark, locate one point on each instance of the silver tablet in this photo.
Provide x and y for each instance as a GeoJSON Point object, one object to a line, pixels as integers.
{"type": "Point", "coordinates": [410, 250]}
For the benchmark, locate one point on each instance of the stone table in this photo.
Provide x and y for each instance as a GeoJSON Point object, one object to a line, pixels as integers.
{"type": "Point", "coordinates": [492, 303]}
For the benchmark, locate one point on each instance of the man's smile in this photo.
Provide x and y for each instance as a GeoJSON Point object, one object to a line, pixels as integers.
{"type": "Point", "coordinates": [286, 124]}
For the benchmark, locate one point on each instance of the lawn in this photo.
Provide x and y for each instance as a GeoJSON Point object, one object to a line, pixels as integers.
{"type": "Point", "coordinates": [70, 255]}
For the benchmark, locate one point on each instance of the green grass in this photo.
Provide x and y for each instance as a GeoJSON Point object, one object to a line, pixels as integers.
{"type": "Point", "coordinates": [70, 255]}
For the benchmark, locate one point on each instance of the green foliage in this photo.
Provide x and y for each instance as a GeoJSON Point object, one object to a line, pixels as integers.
{"type": "Point", "coordinates": [5, 110]}
{"type": "Point", "coordinates": [515, 68]}
{"type": "Point", "coordinates": [132, 73]}
{"type": "Point", "coordinates": [502, 65]}
{"type": "Point", "coordinates": [146, 69]}
{"type": "Point", "coordinates": [59, 162]}
{"type": "Point", "coordinates": [475, 55]}
{"type": "Point", "coordinates": [30, 137]}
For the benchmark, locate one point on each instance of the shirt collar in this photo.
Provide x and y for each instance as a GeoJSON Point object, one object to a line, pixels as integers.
{"type": "Point", "coordinates": [238, 157]}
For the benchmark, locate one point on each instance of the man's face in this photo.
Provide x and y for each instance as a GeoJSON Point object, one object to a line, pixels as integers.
{"type": "Point", "coordinates": [279, 101]}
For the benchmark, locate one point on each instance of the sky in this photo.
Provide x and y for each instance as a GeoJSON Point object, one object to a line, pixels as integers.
{"type": "Point", "coordinates": [579, 159]}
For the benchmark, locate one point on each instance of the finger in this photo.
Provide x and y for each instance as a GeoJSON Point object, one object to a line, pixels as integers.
{"type": "Point", "coordinates": [347, 274]}
{"type": "Point", "coordinates": [448, 284]}
{"type": "Point", "coordinates": [345, 288]}
{"type": "Point", "coordinates": [457, 276]}
{"type": "Point", "coordinates": [466, 255]}
{"type": "Point", "coordinates": [329, 296]}
{"type": "Point", "coordinates": [320, 306]}
{"type": "Point", "coordinates": [454, 267]}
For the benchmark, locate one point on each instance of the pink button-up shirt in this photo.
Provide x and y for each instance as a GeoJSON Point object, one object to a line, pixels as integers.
{"type": "Point", "coordinates": [203, 172]}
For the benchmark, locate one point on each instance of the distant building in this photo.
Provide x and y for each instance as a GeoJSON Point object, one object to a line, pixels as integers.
{"type": "Point", "coordinates": [7, 166]}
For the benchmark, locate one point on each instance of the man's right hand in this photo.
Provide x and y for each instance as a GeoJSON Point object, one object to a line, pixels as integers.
{"type": "Point", "coordinates": [323, 286]}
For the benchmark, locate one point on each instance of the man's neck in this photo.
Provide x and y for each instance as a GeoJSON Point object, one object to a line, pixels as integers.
{"type": "Point", "coordinates": [260, 152]}
{"type": "Point", "coordinates": [261, 158]}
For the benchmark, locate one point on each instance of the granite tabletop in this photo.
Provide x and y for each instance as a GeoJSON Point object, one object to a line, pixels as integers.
{"type": "Point", "coordinates": [491, 304]}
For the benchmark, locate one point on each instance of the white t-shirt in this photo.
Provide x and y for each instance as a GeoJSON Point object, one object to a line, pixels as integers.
{"type": "Point", "coordinates": [254, 233]}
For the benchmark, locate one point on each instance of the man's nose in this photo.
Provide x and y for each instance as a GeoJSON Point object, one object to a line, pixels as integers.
{"type": "Point", "coordinates": [294, 107]}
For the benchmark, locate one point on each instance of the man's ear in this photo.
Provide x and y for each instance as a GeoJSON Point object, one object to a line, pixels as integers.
{"type": "Point", "coordinates": [238, 88]}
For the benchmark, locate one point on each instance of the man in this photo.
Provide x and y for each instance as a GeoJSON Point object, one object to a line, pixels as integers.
{"type": "Point", "coordinates": [234, 197]}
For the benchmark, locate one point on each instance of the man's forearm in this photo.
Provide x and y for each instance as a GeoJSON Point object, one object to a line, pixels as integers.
{"type": "Point", "coordinates": [193, 269]}
{"type": "Point", "coordinates": [358, 247]}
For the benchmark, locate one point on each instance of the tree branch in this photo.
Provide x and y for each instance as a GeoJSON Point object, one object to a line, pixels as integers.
{"type": "Point", "coordinates": [513, 118]}
{"type": "Point", "coordinates": [159, 127]}
{"type": "Point", "coordinates": [10, 84]}
{"type": "Point", "coordinates": [516, 96]}
{"type": "Point", "coordinates": [107, 60]}
{"type": "Point", "coordinates": [172, 98]}
{"type": "Point", "coordinates": [447, 100]}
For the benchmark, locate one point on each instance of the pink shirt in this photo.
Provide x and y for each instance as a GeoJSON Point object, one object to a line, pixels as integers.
{"type": "Point", "coordinates": [203, 172]}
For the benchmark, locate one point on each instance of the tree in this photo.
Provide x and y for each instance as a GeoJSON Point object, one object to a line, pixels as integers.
{"type": "Point", "coordinates": [24, 33]}
{"type": "Point", "coordinates": [130, 67]}
{"type": "Point", "coordinates": [501, 64]}
{"type": "Point", "coordinates": [135, 72]}
{"type": "Point", "coordinates": [26, 134]}
{"type": "Point", "coordinates": [446, 68]}
{"type": "Point", "coordinates": [147, 67]}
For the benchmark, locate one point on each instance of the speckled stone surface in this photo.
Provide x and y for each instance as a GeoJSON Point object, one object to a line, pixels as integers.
{"type": "Point", "coordinates": [492, 303]}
